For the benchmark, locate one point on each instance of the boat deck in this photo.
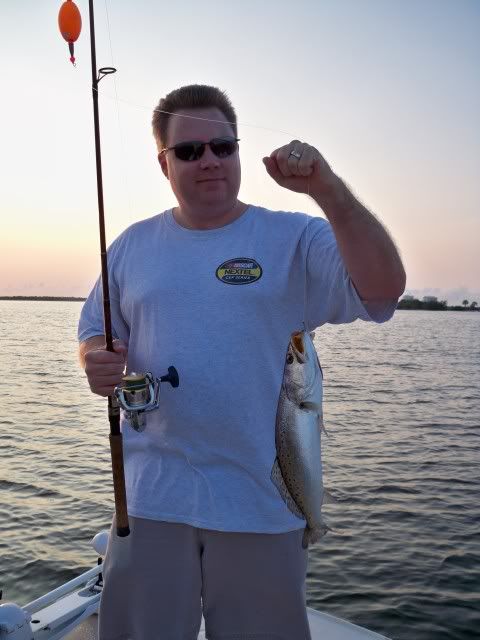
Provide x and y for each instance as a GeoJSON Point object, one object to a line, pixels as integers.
{"type": "Point", "coordinates": [322, 627]}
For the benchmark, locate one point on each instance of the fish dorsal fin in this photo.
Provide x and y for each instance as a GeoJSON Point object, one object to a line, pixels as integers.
{"type": "Point", "coordinates": [279, 482]}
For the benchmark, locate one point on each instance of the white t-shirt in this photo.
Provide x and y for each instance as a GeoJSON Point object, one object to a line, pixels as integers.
{"type": "Point", "coordinates": [220, 305]}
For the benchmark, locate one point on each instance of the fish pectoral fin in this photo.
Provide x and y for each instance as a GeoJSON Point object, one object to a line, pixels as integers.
{"type": "Point", "coordinates": [308, 406]}
{"type": "Point", "coordinates": [277, 479]}
{"type": "Point", "coordinates": [312, 535]}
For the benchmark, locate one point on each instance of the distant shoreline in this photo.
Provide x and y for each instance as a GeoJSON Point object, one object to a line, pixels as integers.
{"type": "Point", "coordinates": [457, 308]}
{"type": "Point", "coordinates": [43, 298]}
{"type": "Point", "coordinates": [403, 305]}
{"type": "Point", "coordinates": [413, 304]}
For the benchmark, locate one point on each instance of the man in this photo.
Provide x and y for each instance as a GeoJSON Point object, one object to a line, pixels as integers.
{"type": "Point", "coordinates": [216, 287]}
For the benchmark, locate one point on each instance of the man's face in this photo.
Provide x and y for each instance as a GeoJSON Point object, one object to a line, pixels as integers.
{"type": "Point", "coordinates": [209, 185]}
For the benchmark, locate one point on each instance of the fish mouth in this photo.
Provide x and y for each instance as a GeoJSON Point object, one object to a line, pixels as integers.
{"type": "Point", "coordinates": [298, 347]}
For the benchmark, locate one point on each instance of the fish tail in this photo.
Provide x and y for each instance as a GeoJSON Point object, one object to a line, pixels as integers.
{"type": "Point", "coordinates": [306, 538]}
{"type": "Point", "coordinates": [312, 535]}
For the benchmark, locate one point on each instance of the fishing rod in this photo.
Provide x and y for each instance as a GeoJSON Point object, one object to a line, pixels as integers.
{"type": "Point", "coordinates": [70, 24]}
{"type": "Point", "coordinates": [115, 436]}
{"type": "Point", "coordinates": [138, 393]}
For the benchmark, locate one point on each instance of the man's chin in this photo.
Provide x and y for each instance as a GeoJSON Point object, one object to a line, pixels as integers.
{"type": "Point", "coordinates": [214, 204]}
{"type": "Point", "coordinates": [215, 199]}
{"type": "Point", "coordinates": [212, 189]}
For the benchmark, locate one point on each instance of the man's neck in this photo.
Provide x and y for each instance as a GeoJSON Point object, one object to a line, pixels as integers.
{"type": "Point", "coordinates": [207, 219]}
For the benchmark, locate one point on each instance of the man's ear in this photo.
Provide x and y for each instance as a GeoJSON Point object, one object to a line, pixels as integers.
{"type": "Point", "coordinates": [163, 163]}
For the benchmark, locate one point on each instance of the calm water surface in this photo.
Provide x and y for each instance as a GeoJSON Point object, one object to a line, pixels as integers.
{"type": "Point", "coordinates": [402, 406]}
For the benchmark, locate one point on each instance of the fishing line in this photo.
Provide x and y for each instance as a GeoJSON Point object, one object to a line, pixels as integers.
{"type": "Point", "coordinates": [184, 115]}
{"type": "Point", "coordinates": [122, 144]}
{"type": "Point", "coordinates": [306, 249]}
{"type": "Point", "coordinates": [137, 105]}
{"type": "Point", "coordinates": [243, 124]}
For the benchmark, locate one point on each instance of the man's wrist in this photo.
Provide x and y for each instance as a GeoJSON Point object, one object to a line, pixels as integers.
{"type": "Point", "coordinates": [336, 200]}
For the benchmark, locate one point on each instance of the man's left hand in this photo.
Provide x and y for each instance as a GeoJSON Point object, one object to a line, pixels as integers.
{"type": "Point", "coordinates": [300, 167]}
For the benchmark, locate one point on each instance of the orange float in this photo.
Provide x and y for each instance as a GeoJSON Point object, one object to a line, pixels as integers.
{"type": "Point", "coordinates": [70, 24]}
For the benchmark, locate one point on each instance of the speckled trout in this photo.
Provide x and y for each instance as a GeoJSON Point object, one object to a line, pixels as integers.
{"type": "Point", "coordinates": [297, 471]}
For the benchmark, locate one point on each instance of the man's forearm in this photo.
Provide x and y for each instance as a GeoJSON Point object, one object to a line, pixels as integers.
{"type": "Point", "coordinates": [368, 252]}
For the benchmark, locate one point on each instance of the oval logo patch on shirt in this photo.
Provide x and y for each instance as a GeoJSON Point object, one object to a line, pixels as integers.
{"type": "Point", "coordinates": [239, 271]}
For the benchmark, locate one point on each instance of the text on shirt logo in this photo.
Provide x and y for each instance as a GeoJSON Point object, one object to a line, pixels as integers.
{"type": "Point", "coordinates": [239, 271]}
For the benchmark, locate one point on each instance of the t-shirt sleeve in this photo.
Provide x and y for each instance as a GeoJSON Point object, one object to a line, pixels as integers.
{"type": "Point", "coordinates": [331, 296]}
{"type": "Point", "coordinates": [91, 321]}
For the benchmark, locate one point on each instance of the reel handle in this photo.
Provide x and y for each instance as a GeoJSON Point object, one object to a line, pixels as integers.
{"type": "Point", "coordinates": [171, 377]}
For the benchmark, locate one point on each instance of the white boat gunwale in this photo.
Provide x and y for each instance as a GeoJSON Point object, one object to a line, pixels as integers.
{"type": "Point", "coordinates": [69, 612]}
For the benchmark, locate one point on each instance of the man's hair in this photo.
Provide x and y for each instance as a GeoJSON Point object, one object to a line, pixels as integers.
{"type": "Point", "coordinates": [193, 96]}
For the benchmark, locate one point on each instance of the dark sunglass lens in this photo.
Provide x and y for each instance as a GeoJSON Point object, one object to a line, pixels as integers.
{"type": "Point", "coordinates": [189, 151]}
{"type": "Point", "coordinates": [223, 148]}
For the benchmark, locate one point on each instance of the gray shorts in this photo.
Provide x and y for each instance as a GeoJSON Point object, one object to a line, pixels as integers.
{"type": "Point", "coordinates": [161, 578]}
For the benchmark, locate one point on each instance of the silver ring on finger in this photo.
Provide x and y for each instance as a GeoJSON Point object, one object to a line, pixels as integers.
{"type": "Point", "coordinates": [295, 154]}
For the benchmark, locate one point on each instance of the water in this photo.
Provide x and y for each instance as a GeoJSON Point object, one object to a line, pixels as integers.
{"type": "Point", "coordinates": [402, 405]}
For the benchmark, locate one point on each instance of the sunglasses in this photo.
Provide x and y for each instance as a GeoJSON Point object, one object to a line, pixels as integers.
{"type": "Point", "coordinates": [190, 151]}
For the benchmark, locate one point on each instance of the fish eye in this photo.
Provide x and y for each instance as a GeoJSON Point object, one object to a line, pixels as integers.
{"type": "Point", "coordinates": [289, 358]}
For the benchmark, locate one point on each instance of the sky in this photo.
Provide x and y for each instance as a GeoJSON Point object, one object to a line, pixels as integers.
{"type": "Point", "coordinates": [387, 90]}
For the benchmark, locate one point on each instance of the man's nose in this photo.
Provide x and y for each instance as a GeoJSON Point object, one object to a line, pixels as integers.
{"type": "Point", "coordinates": [209, 159]}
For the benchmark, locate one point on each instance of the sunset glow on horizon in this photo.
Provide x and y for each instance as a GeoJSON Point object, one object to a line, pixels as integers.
{"type": "Point", "coordinates": [388, 93]}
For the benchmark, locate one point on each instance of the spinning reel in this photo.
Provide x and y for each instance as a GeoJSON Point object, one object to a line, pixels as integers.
{"type": "Point", "coordinates": [139, 393]}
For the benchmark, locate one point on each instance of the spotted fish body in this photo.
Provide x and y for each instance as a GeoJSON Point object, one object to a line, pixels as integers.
{"type": "Point", "coordinates": [297, 471]}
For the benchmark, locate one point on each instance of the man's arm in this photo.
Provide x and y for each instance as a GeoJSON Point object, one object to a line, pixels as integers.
{"type": "Point", "coordinates": [367, 250]}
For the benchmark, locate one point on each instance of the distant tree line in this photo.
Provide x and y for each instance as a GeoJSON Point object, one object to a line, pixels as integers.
{"type": "Point", "coordinates": [43, 298]}
{"type": "Point", "coordinates": [433, 304]}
